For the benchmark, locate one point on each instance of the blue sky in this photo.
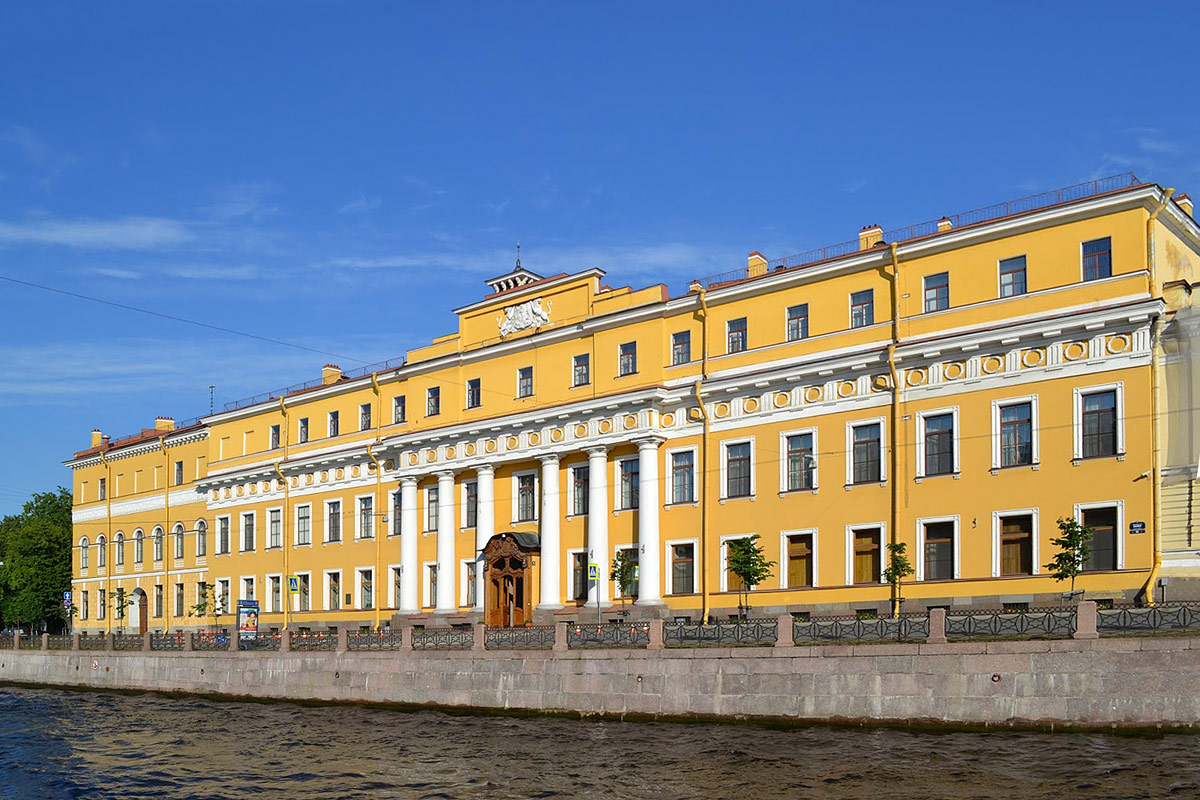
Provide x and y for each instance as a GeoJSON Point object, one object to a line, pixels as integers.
{"type": "Point", "coordinates": [340, 176]}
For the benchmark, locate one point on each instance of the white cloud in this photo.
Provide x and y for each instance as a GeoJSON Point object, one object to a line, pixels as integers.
{"type": "Point", "coordinates": [1155, 145]}
{"type": "Point", "coordinates": [127, 233]}
{"type": "Point", "coordinates": [360, 204]}
{"type": "Point", "coordinates": [29, 143]}
{"type": "Point", "coordinates": [243, 201]}
{"type": "Point", "coordinates": [113, 272]}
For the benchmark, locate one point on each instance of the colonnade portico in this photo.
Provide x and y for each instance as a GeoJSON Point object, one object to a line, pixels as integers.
{"type": "Point", "coordinates": [550, 519]}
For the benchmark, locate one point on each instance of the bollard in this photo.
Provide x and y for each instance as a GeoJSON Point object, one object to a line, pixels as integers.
{"type": "Point", "coordinates": [109, 642]}
{"type": "Point", "coordinates": [146, 642]}
{"type": "Point", "coordinates": [75, 637]}
{"type": "Point", "coordinates": [16, 637]}
{"type": "Point", "coordinates": [187, 642]}
{"type": "Point", "coordinates": [45, 641]}
{"type": "Point", "coordinates": [656, 635]}
{"type": "Point", "coordinates": [479, 636]}
{"type": "Point", "coordinates": [1085, 621]}
{"type": "Point", "coordinates": [406, 637]}
{"type": "Point", "coordinates": [343, 640]}
{"type": "Point", "coordinates": [233, 641]}
{"type": "Point", "coordinates": [937, 626]}
{"type": "Point", "coordinates": [285, 641]}
{"type": "Point", "coordinates": [560, 637]}
{"type": "Point", "coordinates": [785, 636]}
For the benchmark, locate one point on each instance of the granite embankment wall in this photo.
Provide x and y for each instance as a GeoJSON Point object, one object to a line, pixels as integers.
{"type": "Point", "coordinates": [1125, 682]}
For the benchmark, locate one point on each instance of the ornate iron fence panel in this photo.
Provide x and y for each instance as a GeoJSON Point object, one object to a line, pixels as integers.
{"type": "Point", "coordinates": [31, 642]}
{"type": "Point", "coordinates": [533, 637]}
{"type": "Point", "coordinates": [6, 642]}
{"type": "Point", "coordinates": [375, 641]}
{"type": "Point", "coordinates": [127, 641]}
{"type": "Point", "coordinates": [322, 640]}
{"type": "Point", "coordinates": [263, 641]}
{"type": "Point", "coordinates": [443, 638]}
{"type": "Point", "coordinates": [1036, 622]}
{"type": "Point", "coordinates": [87, 642]}
{"type": "Point", "coordinates": [905, 628]}
{"type": "Point", "coordinates": [168, 641]}
{"type": "Point", "coordinates": [752, 632]}
{"type": "Point", "coordinates": [618, 634]}
{"type": "Point", "coordinates": [60, 642]}
{"type": "Point", "coordinates": [1164, 616]}
{"type": "Point", "coordinates": [210, 640]}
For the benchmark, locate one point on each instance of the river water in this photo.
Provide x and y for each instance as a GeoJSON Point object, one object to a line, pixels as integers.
{"type": "Point", "coordinates": [62, 744]}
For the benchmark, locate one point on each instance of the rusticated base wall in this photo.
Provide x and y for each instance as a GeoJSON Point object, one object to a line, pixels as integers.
{"type": "Point", "coordinates": [1133, 682]}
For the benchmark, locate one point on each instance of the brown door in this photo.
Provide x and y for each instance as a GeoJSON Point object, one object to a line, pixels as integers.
{"type": "Point", "coordinates": [142, 622]}
{"type": "Point", "coordinates": [507, 587]}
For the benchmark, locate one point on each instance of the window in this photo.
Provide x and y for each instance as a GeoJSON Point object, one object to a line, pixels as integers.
{"type": "Point", "coordinates": [178, 473]}
{"type": "Point", "coordinates": [633, 586]}
{"type": "Point", "coordinates": [178, 542]}
{"type": "Point", "coordinates": [470, 504]}
{"type": "Point", "coordinates": [938, 551]}
{"type": "Point", "coordinates": [399, 412]}
{"type": "Point", "coordinates": [139, 547]}
{"type": "Point", "coordinates": [1099, 430]}
{"type": "Point", "coordinates": [867, 559]}
{"type": "Point", "coordinates": [397, 507]}
{"type": "Point", "coordinates": [333, 521]}
{"type": "Point", "coordinates": [119, 549]}
{"type": "Point", "coordinates": [630, 472]}
{"type": "Point", "coordinates": [799, 560]}
{"type": "Point", "coordinates": [366, 589]}
{"type": "Point", "coordinates": [525, 382]}
{"type": "Point", "coordinates": [158, 544]}
{"type": "Point", "coordinates": [469, 582]}
{"type": "Point", "coordinates": [1016, 545]}
{"type": "Point", "coordinates": [247, 589]}
{"type": "Point", "coordinates": [733, 583]}
{"type": "Point", "coordinates": [431, 508]}
{"type": "Point", "coordinates": [247, 532]}
{"type": "Point", "coordinates": [223, 595]}
{"type": "Point", "coordinates": [526, 497]}
{"type": "Point", "coordinates": [797, 322]}
{"type": "Point", "coordinates": [579, 490]}
{"type": "Point", "coordinates": [1012, 276]}
{"type": "Point", "coordinates": [433, 401]}
{"type": "Point", "coordinates": [862, 308]}
{"type": "Point", "coordinates": [275, 586]}
{"type": "Point", "coordinates": [179, 600]}
{"type": "Point", "coordinates": [275, 527]}
{"type": "Point", "coordinates": [101, 551]}
{"type": "Point", "coordinates": [581, 370]}
{"type": "Point", "coordinates": [431, 576]}
{"type": "Point", "coordinates": [101, 604]}
{"type": "Point", "coordinates": [302, 432]}
{"type": "Point", "coordinates": [1103, 522]}
{"type": "Point", "coordinates": [867, 462]}
{"type": "Point", "coordinates": [681, 347]}
{"type": "Point", "coordinates": [304, 525]}
{"type": "Point", "coordinates": [737, 470]}
{"type": "Point", "coordinates": [274, 437]}
{"type": "Point", "coordinates": [474, 393]}
{"type": "Point", "coordinates": [1097, 259]}
{"type": "Point", "coordinates": [579, 579]}
{"type": "Point", "coordinates": [683, 568]}
{"type": "Point", "coordinates": [84, 553]}
{"type": "Point", "coordinates": [83, 609]}
{"type": "Point", "coordinates": [627, 359]}
{"type": "Point", "coordinates": [119, 602]}
{"type": "Point", "coordinates": [364, 417]}
{"type": "Point", "coordinates": [801, 462]}
{"type": "Point", "coordinates": [938, 430]}
{"type": "Point", "coordinates": [1016, 434]}
{"type": "Point", "coordinates": [103, 488]}
{"type": "Point", "coordinates": [333, 423]}
{"type": "Point", "coordinates": [305, 600]}
{"type": "Point", "coordinates": [735, 334]}
{"type": "Point", "coordinates": [937, 292]}
{"type": "Point", "coordinates": [366, 517]}
{"type": "Point", "coordinates": [683, 476]}
{"type": "Point", "coordinates": [397, 575]}
{"type": "Point", "coordinates": [334, 595]}
{"type": "Point", "coordinates": [158, 601]}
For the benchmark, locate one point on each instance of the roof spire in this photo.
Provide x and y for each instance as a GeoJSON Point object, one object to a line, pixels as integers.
{"type": "Point", "coordinates": [518, 255]}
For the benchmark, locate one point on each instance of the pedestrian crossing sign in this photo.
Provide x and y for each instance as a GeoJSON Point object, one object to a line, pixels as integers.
{"type": "Point", "coordinates": [593, 572]}
{"type": "Point", "coordinates": [293, 584]}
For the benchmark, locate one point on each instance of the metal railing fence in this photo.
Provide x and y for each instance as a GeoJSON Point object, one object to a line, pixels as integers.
{"type": "Point", "coordinates": [853, 628]}
{"type": "Point", "coordinates": [530, 637]}
{"type": "Point", "coordinates": [443, 638]}
{"type": "Point", "coordinates": [608, 634]}
{"type": "Point", "coordinates": [750, 632]}
{"type": "Point", "coordinates": [1054, 622]}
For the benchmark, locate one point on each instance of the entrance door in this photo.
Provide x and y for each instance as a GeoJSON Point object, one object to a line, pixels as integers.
{"type": "Point", "coordinates": [507, 587]}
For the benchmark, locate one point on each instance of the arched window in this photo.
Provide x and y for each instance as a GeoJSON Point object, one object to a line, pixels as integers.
{"type": "Point", "coordinates": [139, 551]}
{"type": "Point", "coordinates": [84, 553]}
{"type": "Point", "coordinates": [158, 534]}
{"type": "Point", "coordinates": [119, 549]}
{"type": "Point", "coordinates": [178, 541]}
{"type": "Point", "coordinates": [201, 538]}
{"type": "Point", "coordinates": [101, 551]}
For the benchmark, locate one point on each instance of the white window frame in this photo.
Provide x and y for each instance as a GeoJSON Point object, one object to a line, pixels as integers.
{"type": "Point", "coordinates": [201, 557]}
{"type": "Point", "coordinates": [268, 531]}
{"type": "Point", "coordinates": [570, 563]}
{"type": "Point", "coordinates": [425, 516]}
{"type": "Point", "coordinates": [518, 394]}
{"type": "Point", "coordinates": [783, 555]}
{"type": "Point", "coordinates": [883, 434]}
{"type": "Point", "coordinates": [361, 408]}
{"type": "Point", "coordinates": [1077, 395]}
{"type": "Point", "coordinates": [253, 515]}
{"type": "Point", "coordinates": [393, 519]}
{"type": "Point", "coordinates": [296, 525]}
{"type": "Point", "coordinates": [329, 416]}
{"type": "Point", "coordinates": [634, 371]}
{"type": "Point", "coordinates": [399, 403]}
{"type": "Point", "coordinates": [222, 595]}
{"type": "Point", "coordinates": [587, 364]}
{"type": "Point", "coordinates": [881, 528]}
{"type": "Point", "coordinates": [218, 551]}
{"type": "Point", "coordinates": [269, 600]}
{"type": "Point", "coordinates": [669, 473]}
{"type": "Point", "coordinates": [725, 444]}
{"type": "Point", "coordinates": [242, 586]}
{"type": "Point", "coordinates": [997, 520]}
{"type": "Point", "coordinates": [427, 598]}
{"type": "Point", "coordinates": [921, 416]}
{"type": "Point", "coordinates": [462, 504]}
{"type": "Point", "coordinates": [178, 548]}
{"type": "Point", "coordinates": [729, 537]}
{"type": "Point", "coordinates": [294, 599]}
{"type": "Point", "coordinates": [1120, 506]}
{"type": "Point", "coordinates": [341, 521]}
{"type": "Point", "coordinates": [570, 488]}
{"type": "Point", "coordinates": [783, 465]}
{"type": "Point", "coordinates": [516, 500]}
{"type": "Point", "coordinates": [956, 538]}
{"type": "Point", "coordinates": [616, 588]}
{"type": "Point", "coordinates": [393, 598]}
{"type": "Point", "coordinates": [998, 407]}
{"type": "Point", "coordinates": [729, 330]}
{"type": "Point", "coordinates": [787, 319]}
{"type": "Point", "coordinates": [358, 533]}
{"type": "Point", "coordinates": [617, 505]}
{"type": "Point", "coordinates": [158, 545]}
{"type": "Point", "coordinates": [358, 584]}
{"type": "Point", "coordinates": [669, 559]}
{"type": "Point", "coordinates": [325, 593]}
{"type": "Point", "coordinates": [463, 566]}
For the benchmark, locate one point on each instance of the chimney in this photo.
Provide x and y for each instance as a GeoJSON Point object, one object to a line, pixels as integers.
{"type": "Point", "coordinates": [1185, 202]}
{"type": "Point", "coordinates": [869, 236]}
{"type": "Point", "coordinates": [97, 437]}
{"type": "Point", "coordinates": [330, 373]}
{"type": "Point", "coordinates": [944, 224]}
{"type": "Point", "coordinates": [695, 286]}
{"type": "Point", "coordinates": [164, 423]}
{"type": "Point", "coordinates": [757, 265]}
{"type": "Point", "coordinates": [105, 440]}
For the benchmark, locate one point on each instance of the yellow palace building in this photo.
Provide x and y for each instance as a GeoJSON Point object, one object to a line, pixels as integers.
{"type": "Point", "coordinates": [955, 386]}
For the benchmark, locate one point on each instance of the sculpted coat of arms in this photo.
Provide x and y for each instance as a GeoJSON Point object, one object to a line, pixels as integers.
{"type": "Point", "coordinates": [522, 316]}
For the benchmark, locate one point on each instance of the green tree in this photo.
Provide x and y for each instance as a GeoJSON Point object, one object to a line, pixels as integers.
{"type": "Point", "coordinates": [746, 560]}
{"type": "Point", "coordinates": [207, 605]}
{"type": "Point", "coordinates": [898, 568]}
{"type": "Point", "coordinates": [624, 572]}
{"type": "Point", "coordinates": [35, 549]}
{"type": "Point", "coordinates": [1074, 543]}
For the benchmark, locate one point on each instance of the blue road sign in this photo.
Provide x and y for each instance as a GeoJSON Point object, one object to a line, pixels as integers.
{"type": "Point", "coordinates": [593, 572]}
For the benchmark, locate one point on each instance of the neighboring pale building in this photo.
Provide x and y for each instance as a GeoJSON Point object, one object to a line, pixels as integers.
{"type": "Point", "coordinates": [566, 420]}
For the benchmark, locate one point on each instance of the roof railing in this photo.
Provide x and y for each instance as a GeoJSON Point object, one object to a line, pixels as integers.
{"type": "Point", "coordinates": [357, 372]}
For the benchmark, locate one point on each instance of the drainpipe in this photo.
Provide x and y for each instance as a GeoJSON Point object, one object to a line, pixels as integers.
{"type": "Point", "coordinates": [377, 510]}
{"type": "Point", "coordinates": [108, 492]}
{"type": "Point", "coordinates": [1155, 399]}
{"type": "Point", "coordinates": [704, 436]}
{"type": "Point", "coordinates": [287, 542]}
{"type": "Point", "coordinates": [894, 482]}
{"type": "Point", "coordinates": [162, 443]}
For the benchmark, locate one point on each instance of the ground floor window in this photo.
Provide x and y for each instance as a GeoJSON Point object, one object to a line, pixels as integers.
{"type": "Point", "coordinates": [683, 568]}
{"type": "Point", "coordinates": [1103, 522]}
{"type": "Point", "coordinates": [1016, 545]}
{"type": "Point", "coordinates": [579, 581]}
{"type": "Point", "coordinates": [939, 551]}
{"type": "Point", "coordinates": [867, 557]}
{"type": "Point", "coordinates": [799, 560]}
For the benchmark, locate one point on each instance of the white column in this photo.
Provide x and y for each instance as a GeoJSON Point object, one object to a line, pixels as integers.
{"type": "Point", "coordinates": [485, 523]}
{"type": "Point", "coordinates": [410, 571]}
{"type": "Point", "coordinates": [446, 602]}
{"type": "Point", "coordinates": [551, 558]}
{"type": "Point", "coordinates": [649, 547]}
{"type": "Point", "coordinates": [597, 524]}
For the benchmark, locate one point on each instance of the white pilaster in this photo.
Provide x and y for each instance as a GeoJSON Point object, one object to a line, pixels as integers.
{"type": "Point", "coordinates": [485, 523]}
{"type": "Point", "coordinates": [446, 602]}
{"type": "Point", "coordinates": [551, 513]}
{"type": "Point", "coordinates": [597, 524]}
{"type": "Point", "coordinates": [410, 573]}
{"type": "Point", "coordinates": [649, 549]}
